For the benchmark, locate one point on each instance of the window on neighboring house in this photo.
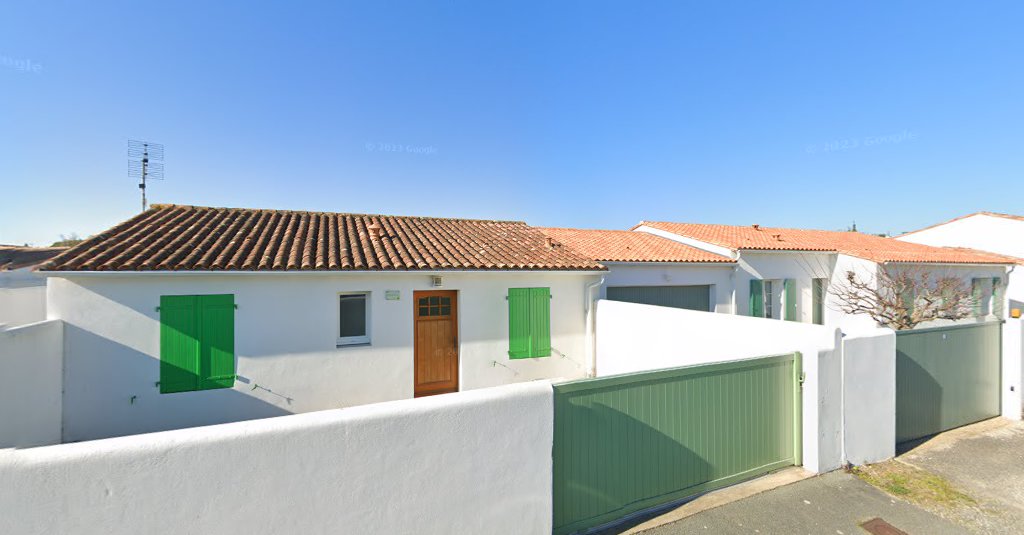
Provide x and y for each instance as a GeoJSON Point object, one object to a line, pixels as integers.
{"type": "Point", "coordinates": [997, 297]}
{"type": "Point", "coordinates": [197, 342]}
{"type": "Point", "coordinates": [765, 298]}
{"type": "Point", "coordinates": [819, 288]}
{"type": "Point", "coordinates": [529, 322]}
{"type": "Point", "coordinates": [981, 291]}
{"type": "Point", "coordinates": [768, 298]}
{"type": "Point", "coordinates": [353, 319]}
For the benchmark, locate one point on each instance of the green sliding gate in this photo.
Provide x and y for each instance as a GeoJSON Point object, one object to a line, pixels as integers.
{"type": "Point", "coordinates": [627, 443]}
{"type": "Point", "coordinates": [946, 377]}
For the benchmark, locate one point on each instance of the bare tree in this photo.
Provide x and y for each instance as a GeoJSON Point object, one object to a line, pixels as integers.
{"type": "Point", "coordinates": [905, 297]}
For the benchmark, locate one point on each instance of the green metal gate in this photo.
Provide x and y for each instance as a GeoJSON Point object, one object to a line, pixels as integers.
{"type": "Point", "coordinates": [946, 377]}
{"type": "Point", "coordinates": [632, 442]}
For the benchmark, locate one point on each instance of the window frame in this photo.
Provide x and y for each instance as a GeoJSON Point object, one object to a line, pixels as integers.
{"type": "Point", "coordinates": [982, 292]}
{"type": "Point", "coordinates": [768, 298]}
{"type": "Point", "coordinates": [350, 341]}
{"type": "Point", "coordinates": [819, 292]}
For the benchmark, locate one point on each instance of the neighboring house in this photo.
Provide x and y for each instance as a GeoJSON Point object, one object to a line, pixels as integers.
{"type": "Point", "coordinates": [997, 233]}
{"type": "Point", "coordinates": [648, 269]}
{"type": "Point", "coordinates": [22, 290]}
{"type": "Point", "coordinates": [786, 273]}
{"type": "Point", "coordinates": [185, 316]}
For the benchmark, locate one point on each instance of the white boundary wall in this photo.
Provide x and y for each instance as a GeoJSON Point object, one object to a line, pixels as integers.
{"type": "Point", "coordinates": [869, 396]}
{"type": "Point", "coordinates": [31, 364]}
{"type": "Point", "coordinates": [633, 338]}
{"type": "Point", "coordinates": [471, 462]}
{"type": "Point", "coordinates": [21, 306]}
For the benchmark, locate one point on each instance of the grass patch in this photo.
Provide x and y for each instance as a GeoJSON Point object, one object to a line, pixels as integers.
{"type": "Point", "coordinates": [913, 484]}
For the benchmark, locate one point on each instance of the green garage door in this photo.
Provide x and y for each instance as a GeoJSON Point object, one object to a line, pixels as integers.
{"type": "Point", "coordinates": [688, 297]}
{"type": "Point", "coordinates": [627, 443]}
{"type": "Point", "coordinates": [946, 377]}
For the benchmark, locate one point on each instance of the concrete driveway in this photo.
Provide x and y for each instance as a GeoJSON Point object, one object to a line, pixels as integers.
{"type": "Point", "coordinates": [984, 461]}
{"type": "Point", "coordinates": [969, 480]}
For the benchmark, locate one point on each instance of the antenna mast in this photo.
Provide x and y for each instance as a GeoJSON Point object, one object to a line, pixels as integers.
{"type": "Point", "coordinates": [145, 162]}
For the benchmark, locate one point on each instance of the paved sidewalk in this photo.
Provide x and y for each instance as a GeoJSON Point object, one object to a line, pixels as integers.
{"type": "Point", "coordinates": [833, 503]}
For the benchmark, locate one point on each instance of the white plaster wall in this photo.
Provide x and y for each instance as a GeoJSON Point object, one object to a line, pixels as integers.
{"type": "Point", "coordinates": [471, 462]}
{"type": "Point", "coordinates": [801, 267]}
{"type": "Point", "coordinates": [668, 274]}
{"type": "Point", "coordinates": [1013, 347]}
{"type": "Point", "coordinates": [22, 305]}
{"type": "Point", "coordinates": [984, 232]}
{"type": "Point", "coordinates": [30, 382]}
{"type": "Point", "coordinates": [864, 270]}
{"type": "Point", "coordinates": [869, 396]}
{"type": "Point", "coordinates": [633, 338]}
{"type": "Point", "coordinates": [285, 344]}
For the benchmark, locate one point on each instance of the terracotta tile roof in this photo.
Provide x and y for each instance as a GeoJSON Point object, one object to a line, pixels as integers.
{"type": "Point", "coordinates": [867, 246]}
{"type": "Point", "coordinates": [184, 238]}
{"type": "Point", "coordinates": [626, 246]}
{"type": "Point", "coordinates": [990, 214]}
{"type": "Point", "coordinates": [17, 257]}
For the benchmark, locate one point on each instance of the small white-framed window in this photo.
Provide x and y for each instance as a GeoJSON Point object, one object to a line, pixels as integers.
{"type": "Point", "coordinates": [773, 299]}
{"type": "Point", "coordinates": [353, 318]}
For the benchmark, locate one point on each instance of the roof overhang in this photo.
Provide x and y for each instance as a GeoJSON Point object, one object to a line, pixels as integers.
{"type": "Point", "coordinates": [322, 273]}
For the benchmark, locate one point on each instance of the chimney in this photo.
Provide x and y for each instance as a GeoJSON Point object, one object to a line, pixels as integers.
{"type": "Point", "coordinates": [374, 230]}
{"type": "Point", "coordinates": [550, 242]}
{"type": "Point", "coordinates": [756, 226]}
{"type": "Point", "coordinates": [778, 237]}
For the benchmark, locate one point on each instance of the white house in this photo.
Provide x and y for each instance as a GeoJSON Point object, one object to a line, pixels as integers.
{"type": "Point", "coordinates": [648, 269]}
{"type": "Point", "coordinates": [186, 316]}
{"type": "Point", "coordinates": [22, 290]}
{"type": "Point", "coordinates": [997, 233]}
{"type": "Point", "coordinates": [786, 273]}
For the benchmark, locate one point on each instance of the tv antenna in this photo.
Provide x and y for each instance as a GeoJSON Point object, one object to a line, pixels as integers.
{"type": "Point", "coordinates": [145, 162]}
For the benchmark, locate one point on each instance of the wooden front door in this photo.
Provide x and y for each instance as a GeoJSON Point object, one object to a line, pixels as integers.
{"type": "Point", "coordinates": [436, 352]}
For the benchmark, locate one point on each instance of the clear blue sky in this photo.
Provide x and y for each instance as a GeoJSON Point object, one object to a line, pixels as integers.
{"type": "Point", "coordinates": [588, 114]}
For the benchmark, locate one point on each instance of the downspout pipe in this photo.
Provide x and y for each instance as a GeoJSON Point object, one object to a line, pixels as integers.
{"type": "Point", "coordinates": [591, 328]}
{"type": "Point", "coordinates": [735, 270]}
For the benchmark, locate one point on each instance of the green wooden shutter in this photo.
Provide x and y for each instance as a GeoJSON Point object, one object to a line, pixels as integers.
{"type": "Point", "coordinates": [216, 341]}
{"type": "Point", "coordinates": [179, 343]}
{"type": "Point", "coordinates": [518, 323]}
{"type": "Point", "coordinates": [997, 297]}
{"type": "Point", "coordinates": [540, 322]}
{"type": "Point", "coordinates": [789, 286]}
{"type": "Point", "coordinates": [757, 298]}
{"type": "Point", "coordinates": [976, 290]}
{"type": "Point", "coordinates": [818, 303]}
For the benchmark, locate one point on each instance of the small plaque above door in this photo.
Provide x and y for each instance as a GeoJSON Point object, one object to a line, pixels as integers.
{"type": "Point", "coordinates": [392, 295]}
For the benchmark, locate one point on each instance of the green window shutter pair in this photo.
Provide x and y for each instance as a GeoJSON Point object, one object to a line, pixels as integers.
{"type": "Point", "coordinates": [529, 322]}
{"type": "Point", "coordinates": [789, 286]}
{"type": "Point", "coordinates": [197, 342]}
{"type": "Point", "coordinates": [757, 298]}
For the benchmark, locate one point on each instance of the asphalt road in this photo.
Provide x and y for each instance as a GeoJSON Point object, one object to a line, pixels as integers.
{"type": "Point", "coordinates": [834, 503]}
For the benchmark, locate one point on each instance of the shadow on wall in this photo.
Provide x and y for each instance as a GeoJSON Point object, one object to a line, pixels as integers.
{"type": "Point", "coordinates": [918, 401]}
{"type": "Point", "coordinates": [111, 389]}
